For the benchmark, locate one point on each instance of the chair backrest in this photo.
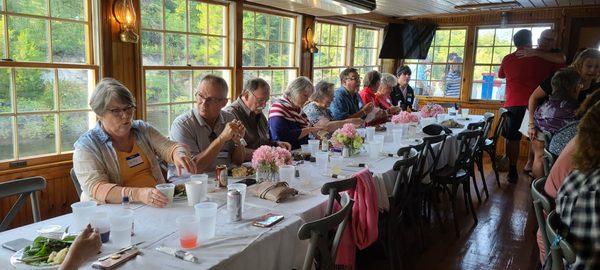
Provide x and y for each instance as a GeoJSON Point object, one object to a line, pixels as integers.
{"type": "Point", "coordinates": [427, 151]}
{"type": "Point", "coordinates": [541, 203]}
{"type": "Point", "coordinates": [489, 121]}
{"type": "Point", "coordinates": [504, 113]}
{"type": "Point", "coordinates": [468, 146]}
{"type": "Point", "coordinates": [560, 249]}
{"type": "Point", "coordinates": [478, 126]}
{"type": "Point", "coordinates": [76, 182]}
{"type": "Point", "coordinates": [322, 245]}
{"type": "Point", "coordinates": [406, 167]}
{"type": "Point", "coordinates": [22, 187]}
{"type": "Point", "coordinates": [333, 189]}
{"type": "Point", "coordinates": [547, 161]}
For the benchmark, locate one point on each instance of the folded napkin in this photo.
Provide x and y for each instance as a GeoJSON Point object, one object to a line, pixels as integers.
{"type": "Point", "coordinates": [271, 191]}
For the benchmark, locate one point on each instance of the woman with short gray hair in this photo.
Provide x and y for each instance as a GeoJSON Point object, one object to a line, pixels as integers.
{"type": "Point", "coordinates": [118, 157]}
{"type": "Point", "coordinates": [317, 110]}
{"type": "Point", "coordinates": [287, 122]}
{"type": "Point", "coordinates": [382, 96]}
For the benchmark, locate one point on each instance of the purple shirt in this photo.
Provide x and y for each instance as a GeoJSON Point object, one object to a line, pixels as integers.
{"type": "Point", "coordinates": [554, 114]}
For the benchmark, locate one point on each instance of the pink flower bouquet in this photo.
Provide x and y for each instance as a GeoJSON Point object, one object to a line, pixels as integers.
{"type": "Point", "coordinates": [431, 110]}
{"type": "Point", "coordinates": [347, 136]}
{"type": "Point", "coordinates": [268, 157]}
{"type": "Point", "coordinates": [405, 118]}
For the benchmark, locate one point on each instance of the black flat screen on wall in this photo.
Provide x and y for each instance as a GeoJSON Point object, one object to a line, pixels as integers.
{"type": "Point", "coordinates": [407, 40]}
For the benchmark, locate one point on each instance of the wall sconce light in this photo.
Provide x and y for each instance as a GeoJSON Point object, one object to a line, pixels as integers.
{"type": "Point", "coordinates": [311, 45]}
{"type": "Point", "coordinates": [124, 13]}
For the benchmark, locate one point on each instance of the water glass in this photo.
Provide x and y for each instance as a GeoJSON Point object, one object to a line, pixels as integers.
{"type": "Point", "coordinates": [100, 221]}
{"type": "Point", "coordinates": [361, 132]}
{"type": "Point", "coordinates": [241, 187]}
{"type": "Point", "coordinates": [207, 219]}
{"type": "Point", "coordinates": [451, 111]}
{"type": "Point", "coordinates": [336, 164]}
{"type": "Point", "coordinates": [374, 149]}
{"type": "Point", "coordinates": [196, 190]}
{"type": "Point", "coordinates": [305, 148]}
{"type": "Point", "coordinates": [82, 214]}
{"type": "Point", "coordinates": [188, 230]}
{"type": "Point", "coordinates": [379, 138]}
{"type": "Point", "coordinates": [314, 146]}
{"type": "Point", "coordinates": [398, 133]}
{"type": "Point", "coordinates": [464, 113]}
{"type": "Point", "coordinates": [121, 222]}
{"type": "Point", "coordinates": [370, 133]}
{"type": "Point", "coordinates": [168, 190]}
{"type": "Point", "coordinates": [287, 173]}
{"type": "Point", "coordinates": [322, 159]}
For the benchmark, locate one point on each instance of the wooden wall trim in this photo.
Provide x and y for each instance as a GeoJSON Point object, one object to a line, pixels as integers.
{"type": "Point", "coordinates": [238, 20]}
{"type": "Point", "coordinates": [306, 58]}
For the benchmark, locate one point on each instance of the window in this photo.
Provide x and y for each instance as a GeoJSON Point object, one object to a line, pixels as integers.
{"type": "Point", "coordinates": [492, 45]}
{"type": "Point", "coordinates": [331, 58]}
{"type": "Point", "coordinates": [440, 74]}
{"type": "Point", "coordinates": [46, 84]}
{"type": "Point", "coordinates": [269, 49]}
{"type": "Point", "coordinates": [366, 50]}
{"type": "Point", "coordinates": [182, 41]}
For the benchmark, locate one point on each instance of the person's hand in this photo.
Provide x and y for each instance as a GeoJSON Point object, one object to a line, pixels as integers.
{"type": "Point", "coordinates": [526, 52]}
{"type": "Point", "coordinates": [381, 114]}
{"type": "Point", "coordinates": [86, 245]}
{"type": "Point", "coordinates": [151, 196]}
{"type": "Point", "coordinates": [532, 133]}
{"type": "Point", "coordinates": [394, 110]}
{"type": "Point", "coordinates": [355, 121]}
{"type": "Point", "coordinates": [285, 145]}
{"type": "Point", "coordinates": [368, 108]}
{"type": "Point", "coordinates": [182, 160]}
{"type": "Point", "coordinates": [229, 131]}
{"type": "Point", "coordinates": [239, 131]}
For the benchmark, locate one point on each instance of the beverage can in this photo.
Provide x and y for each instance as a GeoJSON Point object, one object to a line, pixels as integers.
{"type": "Point", "coordinates": [234, 205]}
{"type": "Point", "coordinates": [221, 175]}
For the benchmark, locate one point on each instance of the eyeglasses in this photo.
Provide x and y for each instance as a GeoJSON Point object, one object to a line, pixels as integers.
{"type": "Point", "coordinates": [259, 100]}
{"type": "Point", "coordinates": [209, 99]}
{"type": "Point", "coordinates": [354, 79]}
{"type": "Point", "coordinates": [120, 112]}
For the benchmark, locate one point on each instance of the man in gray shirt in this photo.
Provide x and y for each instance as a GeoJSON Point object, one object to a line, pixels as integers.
{"type": "Point", "coordinates": [248, 110]}
{"type": "Point", "coordinates": [212, 135]}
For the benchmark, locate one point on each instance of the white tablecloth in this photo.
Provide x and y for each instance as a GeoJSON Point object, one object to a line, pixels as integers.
{"type": "Point", "coordinates": [241, 245]}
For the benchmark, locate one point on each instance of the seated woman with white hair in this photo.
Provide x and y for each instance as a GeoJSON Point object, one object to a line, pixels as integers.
{"type": "Point", "coordinates": [287, 122]}
{"type": "Point", "coordinates": [382, 96]}
{"type": "Point", "coordinates": [118, 157]}
{"type": "Point", "coordinates": [317, 110]}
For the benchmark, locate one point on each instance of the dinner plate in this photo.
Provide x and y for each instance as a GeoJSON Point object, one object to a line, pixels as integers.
{"type": "Point", "coordinates": [15, 261]}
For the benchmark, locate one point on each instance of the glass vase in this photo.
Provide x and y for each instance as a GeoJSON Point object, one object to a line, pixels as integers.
{"type": "Point", "coordinates": [266, 173]}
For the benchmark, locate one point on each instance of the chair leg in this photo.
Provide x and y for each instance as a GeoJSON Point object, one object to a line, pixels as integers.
{"type": "Point", "coordinates": [480, 167]}
{"type": "Point", "coordinates": [453, 200]}
{"type": "Point", "coordinates": [472, 175]}
{"type": "Point", "coordinates": [466, 189]}
{"type": "Point", "coordinates": [494, 167]}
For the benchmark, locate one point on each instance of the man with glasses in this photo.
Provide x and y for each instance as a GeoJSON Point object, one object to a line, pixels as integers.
{"type": "Point", "coordinates": [346, 101]}
{"type": "Point", "coordinates": [248, 109]}
{"type": "Point", "coordinates": [212, 135]}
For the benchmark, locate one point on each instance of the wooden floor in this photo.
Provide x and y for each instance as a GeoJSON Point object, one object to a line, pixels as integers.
{"type": "Point", "coordinates": [504, 238]}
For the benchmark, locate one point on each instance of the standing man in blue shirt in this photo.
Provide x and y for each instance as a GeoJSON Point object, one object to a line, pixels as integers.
{"type": "Point", "coordinates": [346, 101]}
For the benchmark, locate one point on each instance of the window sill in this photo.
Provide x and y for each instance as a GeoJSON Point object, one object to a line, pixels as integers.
{"type": "Point", "coordinates": [36, 163]}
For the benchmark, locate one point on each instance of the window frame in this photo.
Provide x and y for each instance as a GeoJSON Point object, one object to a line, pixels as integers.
{"type": "Point", "coordinates": [378, 48]}
{"type": "Point", "coordinates": [92, 55]}
{"type": "Point", "coordinates": [295, 57]}
{"type": "Point", "coordinates": [228, 66]}
{"type": "Point", "coordinates": [347, 55]}
{"type": "Point", "coordinates": [473, 62]}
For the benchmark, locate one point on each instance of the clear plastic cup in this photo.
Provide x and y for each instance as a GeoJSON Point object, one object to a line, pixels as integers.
{"type": "Point", "coordinates": [397, 133]}
{"type": "Point", "coordinates": [100, 221]}
{"type": "Point", "coordinates": [196, 190]}
{"type": "Point", "coordinates": [168, 190]}
{"type": "Point", "coordinates": [336, 164]}
{"type": "Point", "coordinates": [188, 231]}
{"type": "Point", "coordinates": [374, 149]}
{"type": "Point", "coordinates": [314, 146]}
{"type": "Point", "coordinates": [361, 132]}
{"type": "Point", "coordinates": [121, 222]}
{"type": "Point", "coordinates": [207, 219]}
{"type": "Point", "coordinates": [242, 189]}
{"type": "Point", "coordinates": [82, 214]}
{"type": "Point", "coordinates": [370, 133]}
{"type": "Point", "coordinates": [322, 160]}
{"type": "Point", "coordinates": [287, 173]}
{"type": "Point", "coordinates": [305, 148]}
{"type": "Point", "coordinates": [464, 113]}
{"type": "Point", "coordinates": [379, 138]}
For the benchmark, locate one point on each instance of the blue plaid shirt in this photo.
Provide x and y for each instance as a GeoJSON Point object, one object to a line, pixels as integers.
{"type": "Point", "coordinates": [344, 104]}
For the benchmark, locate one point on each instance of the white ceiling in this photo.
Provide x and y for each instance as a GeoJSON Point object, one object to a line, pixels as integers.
{"type": "Point", "coordinates": [403, 8]}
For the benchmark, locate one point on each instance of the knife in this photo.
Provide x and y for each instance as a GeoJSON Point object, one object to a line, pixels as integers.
{"type": "Point", "coordinates": [180, 254]}
{"type": "Point", "coordinates": [120, 251]}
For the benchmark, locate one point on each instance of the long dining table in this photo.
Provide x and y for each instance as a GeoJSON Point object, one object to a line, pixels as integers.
{"type": "Point", "coordinates": [239, 245]}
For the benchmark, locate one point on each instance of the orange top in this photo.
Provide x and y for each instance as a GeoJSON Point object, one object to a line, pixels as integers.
{"type": "Point", "coordinates": [135, 168]}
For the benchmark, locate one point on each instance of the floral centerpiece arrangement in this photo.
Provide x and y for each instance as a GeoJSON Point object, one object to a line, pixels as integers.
{"type": "Point", "coordinates": [405, 118]}
{"type": "Point", "coordinates": [266, 161]}
{"type": "Point", "coordinates": [347, 137]}
{"type": "Point", "coordinates": [431, 110]}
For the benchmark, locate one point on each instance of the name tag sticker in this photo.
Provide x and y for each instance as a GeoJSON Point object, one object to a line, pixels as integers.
{"type": "Point", "coordinates": [134, 160]}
